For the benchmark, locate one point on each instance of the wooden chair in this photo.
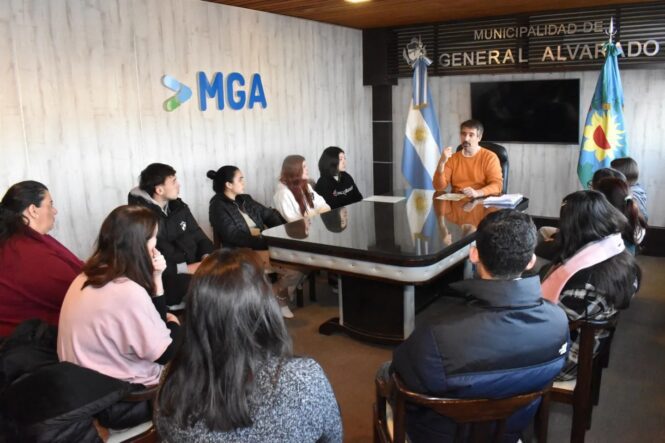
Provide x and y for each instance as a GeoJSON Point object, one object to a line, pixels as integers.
{"type": "Point", "coordinates": [479, 420]}
{"type": "Point", "coordinates": [144, 432]}
{"type": "Point", "coordinates": [584, 392]}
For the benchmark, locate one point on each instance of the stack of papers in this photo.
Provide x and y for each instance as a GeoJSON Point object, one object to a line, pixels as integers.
{"type": "Point", "coordinates": [505, 200]}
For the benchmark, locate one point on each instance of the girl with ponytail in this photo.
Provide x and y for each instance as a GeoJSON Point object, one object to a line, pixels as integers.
{"type": "Point", "coordinates": [618, 194]}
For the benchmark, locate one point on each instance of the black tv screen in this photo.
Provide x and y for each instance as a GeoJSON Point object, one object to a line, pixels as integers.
{"type": "Point", "coordinates": [534, 111]}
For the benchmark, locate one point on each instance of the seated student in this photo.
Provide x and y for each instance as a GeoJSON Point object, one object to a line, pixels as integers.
{"type": "Point", "coordinates": [113, 319]}
{"type": "Point", "coordinates": [236, 218]}
{"type": "Point", "coordinates": [592, 274]}
{"type": "Point", "coordinates": [628, 167]}
{"type": "Point", "coordinates": [335, 185]}
{"type": "Point", "coordinates": [238, 221]}
{"type": "Point", "coordinates": [547, 248]}
{"type": "Point", "coordinates": [618, 194]}
{"type": "Point", "coordinates": [474, 170]}
{"type": "Point", "coordinates": [499, 338]}
{"type": "Point", "coordinates": [180, 238]}
{"type": "Point", "coordinates": [603, 173]}
{"type": "Point", "coordinates": [235, 378]}
{"type": "Point", "coordinates": [36, 268]}
{"type": "Point", "coordinates": [295, 198]}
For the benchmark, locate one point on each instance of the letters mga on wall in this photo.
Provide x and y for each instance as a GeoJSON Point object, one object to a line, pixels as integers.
{"type": "Point", "coordinates": [228, 89]}
{"type": "Point", "coordinates": [552, 53]}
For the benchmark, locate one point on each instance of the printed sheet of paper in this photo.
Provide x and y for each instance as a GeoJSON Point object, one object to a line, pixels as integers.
{"type": "Point", "coordinates": [451, 197]}
{"type": "Point", "coordinates": [385, 198]}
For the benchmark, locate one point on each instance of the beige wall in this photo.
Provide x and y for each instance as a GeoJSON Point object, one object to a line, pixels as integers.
{"type": "Point", "coordinates": [547, 173]}
{"type": "Point", "coordinates": [81, 100]}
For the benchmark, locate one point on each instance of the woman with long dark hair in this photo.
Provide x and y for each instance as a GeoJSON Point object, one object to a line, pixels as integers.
{"type": "Point", "coordinates": [619, 195]}
{"type": "Point", "coordinates": [109, 321]}
{"type": "Point", "coordinates": [336, 185]}
{"type": "Point", "coordinates": [234, 378]}
{"type": "Point", "coordinates": [237, 220]}
{"type": "Point", "coordinates": [592, 274]}
{"type": "Point", "coordinates": [295, 198]}
{"type": "Point", "coordinates": [36, 268]}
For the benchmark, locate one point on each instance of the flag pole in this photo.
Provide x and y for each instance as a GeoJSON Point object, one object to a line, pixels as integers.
{"type": "Point", "coordinates": [611, 32]}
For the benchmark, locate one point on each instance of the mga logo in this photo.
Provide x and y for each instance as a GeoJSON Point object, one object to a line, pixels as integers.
{"type": "Point", "coordinates": [228, 90]}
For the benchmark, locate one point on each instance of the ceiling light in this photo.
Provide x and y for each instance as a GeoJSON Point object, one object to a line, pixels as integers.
{"type": "Point", "coordinates": [357, 1]}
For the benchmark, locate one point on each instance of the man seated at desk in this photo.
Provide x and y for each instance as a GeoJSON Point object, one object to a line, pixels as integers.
{"type": "Point", "coordinates": [497, 339]}
{"type": "Point", "coordinates": [473, 171]}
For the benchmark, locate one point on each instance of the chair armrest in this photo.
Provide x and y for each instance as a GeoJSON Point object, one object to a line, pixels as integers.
{"type": "Point", "coordinates": [147, 393]}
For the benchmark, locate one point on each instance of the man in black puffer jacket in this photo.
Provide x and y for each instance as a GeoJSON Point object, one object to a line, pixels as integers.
{"type": "Point", "coordinates": [179, 238]}
{"type": "Point", "coordinates": [497, 339]}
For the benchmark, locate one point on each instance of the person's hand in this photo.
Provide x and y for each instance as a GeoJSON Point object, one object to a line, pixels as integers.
{"type": "Point", "coordinates": [445, 155]}
{"type": "Point", "coordinates": [172, 318]}
{"type": "Point", "coordinates": [158, 263]}
{"type": "Point", "coordinates": [192, 267]}
{"type": "Point", "coordinates": [468, 206]}
{"type": "Point", "coordinates": [471, 193]}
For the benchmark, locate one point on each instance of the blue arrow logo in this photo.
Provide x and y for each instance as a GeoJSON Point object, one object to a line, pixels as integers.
{"type": "Point", "coordinates": [183, 93]}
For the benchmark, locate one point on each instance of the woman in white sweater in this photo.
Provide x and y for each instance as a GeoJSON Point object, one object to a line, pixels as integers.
{"type": "Point", "coordinates": [295, 199]}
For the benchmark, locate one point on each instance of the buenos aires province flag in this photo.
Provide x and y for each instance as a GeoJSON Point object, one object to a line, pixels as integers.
{"type": "Point", "coordinates": [604, 137]}
{"type": "Point", "coordinates": [422, 145]}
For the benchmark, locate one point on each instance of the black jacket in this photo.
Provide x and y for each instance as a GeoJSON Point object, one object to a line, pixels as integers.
{"type": "Point", "coordinates": [43, 400]}
{"type": "Point", "coordinates": [499, 339]}
{"type": "Point", "coordinates": [230, 226]}
{"type": "Point", "coordinates": [180, 238]}
{"type": "Point", "coordinates": [338, 193]}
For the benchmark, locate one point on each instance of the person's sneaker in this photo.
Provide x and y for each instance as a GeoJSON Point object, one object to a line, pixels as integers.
{"type": "Point", "coordinates": [286, 312]}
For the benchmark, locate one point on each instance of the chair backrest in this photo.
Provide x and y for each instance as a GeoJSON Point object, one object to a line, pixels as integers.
{"type": "Point", "coordinates": [588, 330]}
{"type": "Point", "coordinates": [589, 371]}
{"type": "Point", "coordinates": [502, 153]}
{"type": "Point", "coordinates": [477, 418]}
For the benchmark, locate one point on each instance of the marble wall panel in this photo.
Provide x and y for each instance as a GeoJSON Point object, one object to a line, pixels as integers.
{"type": "Point", "coordinates": [83, 111]}
{"type": "Point", "coordinates": [548, 172]}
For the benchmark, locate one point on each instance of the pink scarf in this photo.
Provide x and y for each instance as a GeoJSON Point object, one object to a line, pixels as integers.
{"type": "Point", "coordinates": [591, 254]}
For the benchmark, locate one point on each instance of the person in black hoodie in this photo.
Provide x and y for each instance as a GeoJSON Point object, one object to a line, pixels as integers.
{"type": "Point", "coordinates": [335, 185]}
{"type": "Point", "coordinates": [238, 220]}
{"type": "Point", "coordinates": [180, 238]}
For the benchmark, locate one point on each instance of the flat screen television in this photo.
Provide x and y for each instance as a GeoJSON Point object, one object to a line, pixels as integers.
{"type": "Point", "coordinates": [533, 111]}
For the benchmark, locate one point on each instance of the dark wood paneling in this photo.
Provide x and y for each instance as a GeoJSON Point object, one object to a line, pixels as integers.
{"type": "Point", "coordinates": [382, 143]}
{"type": "Point", "coordinates": [382, 103]}
{"type": "Point", "coordinates": [383, 178]}
{"type": "Point", "coordinates": [379, 67]}
{"type": "Point", "coordinates": [634, 23]}
{"type": "Point", "coordinates": [391, 13]}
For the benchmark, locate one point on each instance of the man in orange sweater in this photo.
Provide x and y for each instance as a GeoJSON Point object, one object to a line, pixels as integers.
{"type": "Point", "coordinates": [473, 171]}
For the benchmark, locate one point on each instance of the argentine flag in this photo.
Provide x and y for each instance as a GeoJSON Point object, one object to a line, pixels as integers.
{"type": "Point", "coordinates": [422, 141]}
{"type": "Point", "coordinates": [421, 218]}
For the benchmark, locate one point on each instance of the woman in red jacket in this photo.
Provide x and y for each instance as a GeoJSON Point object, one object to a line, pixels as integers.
{"type": "Point", "coordinates": [36, 269]}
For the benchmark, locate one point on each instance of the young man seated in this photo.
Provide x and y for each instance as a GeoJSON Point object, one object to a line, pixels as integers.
{"type": "Point", "coordinates": [497, 338]}
{"type": "Point", "coordinates": [179, 237]}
